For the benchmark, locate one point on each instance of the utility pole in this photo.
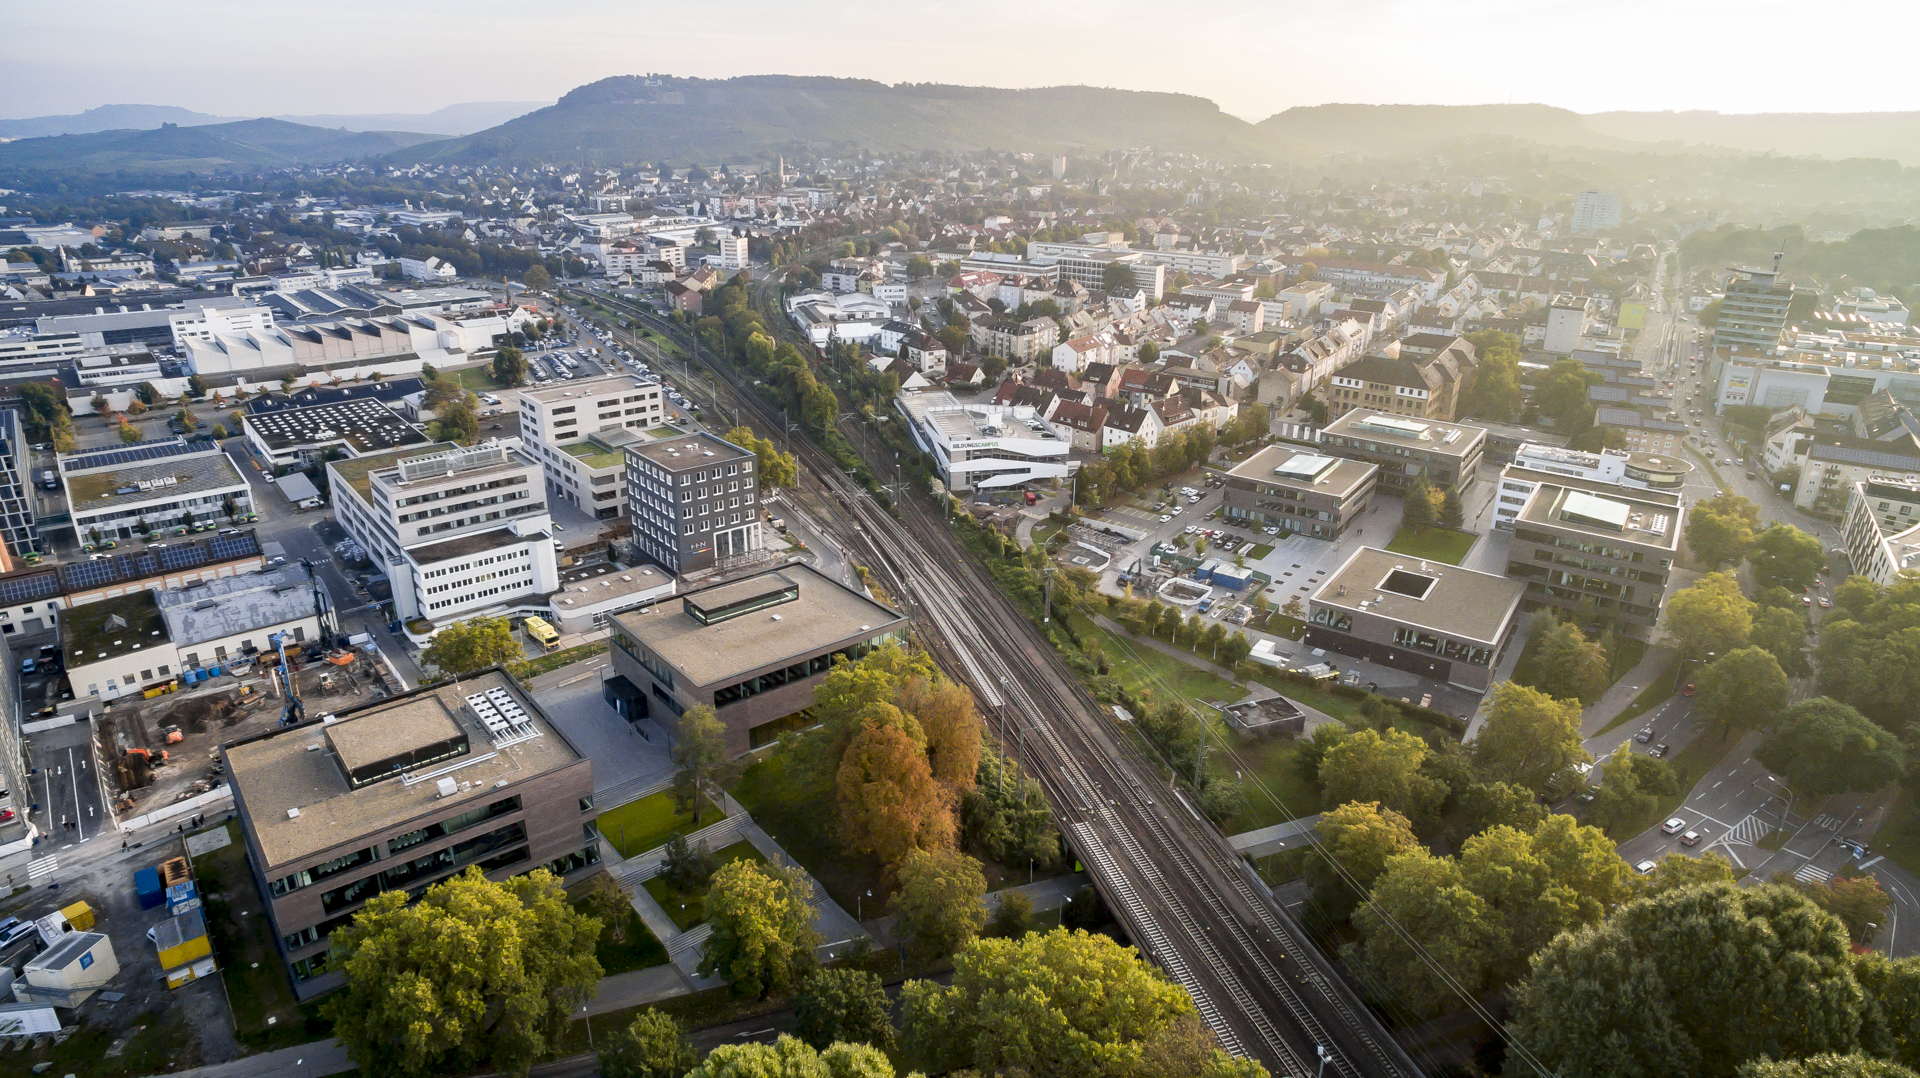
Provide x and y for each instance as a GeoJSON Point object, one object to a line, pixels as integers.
{"type": "Point", "coordinates": [1046, 612]}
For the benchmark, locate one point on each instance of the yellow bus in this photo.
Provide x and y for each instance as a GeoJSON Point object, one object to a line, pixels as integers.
{"type": "Point", "coordinates": [547, 635]}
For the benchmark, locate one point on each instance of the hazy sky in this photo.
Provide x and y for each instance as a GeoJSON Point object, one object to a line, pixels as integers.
{"type": "Point", "coordinates": [1252, 57]}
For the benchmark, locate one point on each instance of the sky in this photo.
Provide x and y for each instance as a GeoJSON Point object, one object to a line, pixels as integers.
{"type": "Point", "coordinates": [1252, 57]}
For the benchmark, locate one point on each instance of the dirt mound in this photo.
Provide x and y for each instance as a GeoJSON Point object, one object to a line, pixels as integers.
{"type": "Point", "coordinates": [197, 713]}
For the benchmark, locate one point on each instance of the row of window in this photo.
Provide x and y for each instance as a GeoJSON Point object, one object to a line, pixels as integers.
{"type": "Point", "coordinates": [517, 552]}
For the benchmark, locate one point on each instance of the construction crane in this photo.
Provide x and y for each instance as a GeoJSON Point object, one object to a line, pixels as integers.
{"type": "Point", "coordinates": [294, 710]}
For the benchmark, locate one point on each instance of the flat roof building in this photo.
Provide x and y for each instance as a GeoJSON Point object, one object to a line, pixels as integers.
{"type": "Point", "coordinates": [753, 649]}
{"type": "Point", "coordinates": [590, 595]}
{"type": "Point", "coordinates": [579, 431]}
{"type": "Point", "coordinates": [984, 446]}
{"type": "Point", "coordinates": [150, 487]}
{"type": "Point", "coordinates": [694, 500]}
{"type": "Point", "coordinates": [1610, 548]}
{"type": "Point", "coordinates": [290, 436]}
{"type": "Point", "coordinates": [399, 795]}
{"type": "Point", "coordinates": [1536, 464]}
{"type": "Point", "coordinates": [1408, 450]}
{"type": "Point", "coordinates": [1299, 490]}
{"type": "Point", "coordinates": [1882, 528]}
{"type": "Point", "coordinates": [1432, 619]}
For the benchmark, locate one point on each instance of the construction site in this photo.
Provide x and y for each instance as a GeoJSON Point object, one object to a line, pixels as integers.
{"type": "Point", "coordinates": [164, 746]}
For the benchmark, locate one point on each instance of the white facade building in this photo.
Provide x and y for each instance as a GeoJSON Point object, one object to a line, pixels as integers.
{"type": "Point", "coordinates": [1535, 463]}
{"type": "Point", "coordinates": [985, 446]}
{"type": "Point", "coordinates": [1594, 211]}
{"type": "Point", "coordinates": [579, 432]}
{"type": "Point", "coordinates": [203, 323]}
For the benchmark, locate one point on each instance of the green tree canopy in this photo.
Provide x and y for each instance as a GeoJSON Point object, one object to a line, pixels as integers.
{"type": "Point", "coordinates": [1058, 1004]}
{"type": "Point", "coordinates": [1694, 981]}
{"type": "Point", "coordinates": [1423, 899]}
{"type": "Point", "coordinates": [1743, 689]}
{"type": "Point", "coordinates": [1529, 737]}
{"type": "Point", "coordinates": [537, 277]}
{"type": "Point", "coordinates": [1710, 616]}
{"type": "Point", "coordinates": [843, 1005]}
{"type": "Point", "coordinates": [1356, 841]}
{"type": "Point", "coordinates": [1569, 665]}
{"type": "Point", "coordinates": [1417, 507]}
{"type": "Point", "coordinates": [789, 1057]}
{"type": "Point", "coordinates": [763, 939]}
{"type": "Point", "coordinates": [1783, 633]}
{"type": "Point", "coordinates": [652, 1046]}
{"type": "Point", "coordinates": [939, 902]}
{"type": "Point", "coordinates": [509, 366]}
{"type": "Point", "coordinates": [475, 644]}
{"type": "Point", "coordinates": [700, 746]}
{"type": "Point", "coordinates": [1822, 746]}
{"type": "Point", "coordinates": [1720, 529]}
{"type": "Point", "coordinates": [1677, 870]}
{"type": "Point", "coordinates": [1383, 768]}
{"type": "Point", "coordinates": [777, 470]}
{"type": "Point", "coordinates": [1786, 556]}
{"type": "Point", "coordinates": [1825, 1065]}
{"type": "Point", "coordinates": [1869, 651]}
{"type": "Point", "coordinates": [475, 975]}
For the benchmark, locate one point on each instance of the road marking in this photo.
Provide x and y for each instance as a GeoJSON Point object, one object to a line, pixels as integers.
{"type": "Point", "coordinates": [77, 825]}
{"type": "Point", "coordinates": [1812, 874]}
{"type": "Point", "coordinates": [1716, 785]}
{"type": "Point", "coordinates": [1826, 822]}
{"type": "Point", "coordinates": [39, 868]}
{"type": "Point", "coordinates": [1864, 865]}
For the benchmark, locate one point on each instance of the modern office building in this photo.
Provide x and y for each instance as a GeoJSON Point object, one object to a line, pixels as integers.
{"type": "Point", "coordinates": [693, 500]}
{"type": "Point", "coordinates": [1753, 313]}
{"type": "Point", "coordinates": [400, 794]}
{"type": "Point", "coordinates": [301, 436]}
{"type": "Point", "coordinates": [17, 525]}
{"type": "Point", "coordinates": [591, 594]}
{"type": "Point", "coordinates": [1408, 450]}
{"type": "Point", "coordinates": [31, 598]}
{"type": "Point", "coordinates": [460, 531]}
{"type": "Point", "coordinates": [1568, 318]}
{"type": "Point", "coordinates": [984, 446]}
{"type": "Point", "coordinates": [753, 649]}
{"type": "Point", "coordinates": [1299, 490]}
{"type": "Point", "coordinates": [150, 487]}
{"type": "Point", "coordinates": [20, 826]}
{"type": "Point", "coordinates": [579, 432]}
{"type": "Point", "coordinates": [1608, 553]}
{"type": "Point", "coordinates": [1534, 464]}
{"type": "Point", "coordinates": [1882, 529]}
{"type": "Point", "coordinates": [1594, 211]}
{"type": "Point", "coordinates": [1435, 620]}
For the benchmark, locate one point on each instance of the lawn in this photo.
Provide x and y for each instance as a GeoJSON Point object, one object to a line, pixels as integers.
{"type": "Point", "coordinates": [789, 808]}
{"type": "Point", "coordinates": [1138, 665]}
{"type": "Point", "coordinates": [639, 826]}
{"type": "Point", "coordinates": [554, 660]}
{"type": "Point", "coordinates": [1899, 836]}
{"type": "Point", "coordinates": [636, 949]}
{"type": "Point", "coordinates": [689, 908]}
{"type": "Point", "coordinates": [256, 976]}
{"type": "Point", "coordinates": [478, 379]}
{"type": "Point", "coordinates": [1433, 544]}
{"type": "Point", "coordinates": [1260, 550]}
{"type": "Point", "coordinates": [1272, 777]}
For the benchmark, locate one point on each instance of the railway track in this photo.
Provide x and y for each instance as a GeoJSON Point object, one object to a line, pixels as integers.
{"type": "Point", "coordinates": [1186, 899]}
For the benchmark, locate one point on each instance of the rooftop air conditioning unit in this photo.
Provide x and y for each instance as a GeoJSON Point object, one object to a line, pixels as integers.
{"type": "Point", "coordinates": [446, 787]}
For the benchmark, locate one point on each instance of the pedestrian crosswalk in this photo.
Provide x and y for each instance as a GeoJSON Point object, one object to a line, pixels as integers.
{"type": "Point", "coordinates": [1807, 873]}
{"type": "Point", "coordinates": [1826, 822]}
{"type": "Point", "coordinates": [39, 868]}
{"type": "Point", "coordinates": [1748, 831]}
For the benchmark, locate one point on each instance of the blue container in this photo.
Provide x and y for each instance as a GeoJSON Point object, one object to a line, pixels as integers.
{"type": "Point", "coordinates": [146, 885]}
{"type": "Point", "coordinates": [180, 892]}
{"type": "Point", "coordinates": [213, 672]}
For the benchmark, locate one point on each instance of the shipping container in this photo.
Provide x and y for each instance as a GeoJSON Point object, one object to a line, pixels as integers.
{"type": "Point", "coordinates": [180, 940]}
{"type": "Point", "coordinates": [147, 886]}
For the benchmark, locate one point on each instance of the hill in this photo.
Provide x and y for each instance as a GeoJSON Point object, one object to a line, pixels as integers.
{"type": "Point", "coordinates": [635, 119]}
{"type": "Point", "coordinates": [1893, 135]}
{"type": "Point", "coordinates": [462, 119]}
{"type": "Point", "coordinates": [107, 118]}
{"type": "Point", "coordinates": [1393, 130]}
{"type": "Point", "coordinates": [201, 150]}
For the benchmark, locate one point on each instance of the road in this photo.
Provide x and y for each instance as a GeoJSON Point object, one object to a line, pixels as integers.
{"type": "Point", "coordinates": [1189, 903]}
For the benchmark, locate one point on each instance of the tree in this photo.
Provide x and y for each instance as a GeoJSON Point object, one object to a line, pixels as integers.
{"type": "Point", "coordinates": [1744, 688]}
{"type": "Point", "coordinates": [1006, 814]}
{"type": "Point", "coordinates": [472, 645]}
{"type": "Point", "coordinates": [1012, 915]}
{"type": "Point", "coordinates": [890, 804]}
{"type": "Point", "coordinates": [1057, 1004]}
{"type": "Point", "coordinates": [1677, 870]}
{"type": "Point", "coordinates": [843, 1005]}
{"type": "Point", "coordinates": [687, 865]}
{"type": "Point", "coordinates": [1783, 633]}
{"type": "Point", "coordinates": [537, 278]}
{"type": "Point", "coordinates": [1382, 767]}
{"type": "Point", "coordinates": [1720, 529]}
{"type": "Point", "coordinates": [1857, 901]}
{"type": "Point", "coordinates": [789, 1057]}
{"type": "Point", "coordinates": [944, 710]}
{"type": "Point", "coordinates": [196, 385]}
{"type": "Point", "coordinates": [1418, 514]}
{"type": "Point", "coordinates": [1490, 804]}
{"type": "Point", "coordinates": [1710, 617]}
{"type": "Point", "coordinates": [1822, 746]}
{"type": "Point", "coordinates": [763, 939]}
{"type": "Point", "coordinates": [1694, 981]}
{"type": "Point", "coordinates": [458, 421]}
{"type": "Point", "coordinates": [1452, 513]}
{"type": "Point", "coordinates": [147, 393]}
{"type": "Point", "coordinates": [1786, 556]}
{"type": "Point", "coordinates": [1570, 666]}
{"type": "Point", "coordinates": [1631, 786]}
{"type": "Point", "coordinates": [1825, 1065]}
{"type": "Point", "coordinates": [1538, 885]}
{"type": "Point", "coordinates": [1427, 899]}
{"type": "Point", "coordinates": [939, 902]}
{"type": "Point", "coordinates": [219, 432]}
{"type": "Point", "coordinates": [476, 975]}
{"type": "Point", "coordinates": [1529, 737]}
{"type": "Point", "coordinates": [128, 432]}
{"type": "Point", "coordinates": [700, 745]}
{"type": "Point", "coordinates": [1561, 393]}
{"type": "Point", "coordinates": [1891, 1025]}
{"type": "Point", "coordinates": [442, 392]}
{"type": "Point", "coordinates": [652, 1046]}
{"type": "Point", "coordinates": [1356, 842]}
{"type": "Point", "coordinates": [509, 366]}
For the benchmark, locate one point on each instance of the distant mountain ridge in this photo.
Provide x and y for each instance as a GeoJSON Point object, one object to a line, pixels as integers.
{"type": "Point", "coordinates": [1894, 135]}
{"type": "Point", "coordinates": [635, 118]}
{"type": "Point", "coordinates": [461, 119]}
{"type": "Point", "coordinates": [204, 149]}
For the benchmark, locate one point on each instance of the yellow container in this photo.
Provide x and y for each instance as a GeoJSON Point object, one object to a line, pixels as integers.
{"type": "Point", "coordinates": [185, 952]}
{"type": "Point", "coordinates": [181, 939]}
{"type": "Point", "coordinates": [79, 915]}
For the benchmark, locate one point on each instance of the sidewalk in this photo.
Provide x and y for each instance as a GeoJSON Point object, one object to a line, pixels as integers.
{"type": "Point", "coordinates": [1275, 839]}
{"type": "Point", "coordinates": [1622, 693]}
{"type": "Point", "coordinates": [1046, 895]}
{"type": "Point", "coordinates": [313, 1060]}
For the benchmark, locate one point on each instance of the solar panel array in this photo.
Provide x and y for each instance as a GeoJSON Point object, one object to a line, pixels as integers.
{"type": "Point", "coordinates": [134, 454]}
{"type": "Point", "coordinates": [506, 721]}
{"type": "Point", "coordinates": [134, 565]}
{"type": "Point", "coordinates": [223, 547]}
{"type": "Point", "coordinates": [372, 425]}
{"type": "Point", "coordinates": [29, 588]}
